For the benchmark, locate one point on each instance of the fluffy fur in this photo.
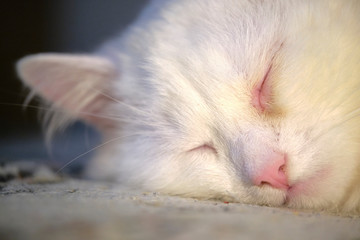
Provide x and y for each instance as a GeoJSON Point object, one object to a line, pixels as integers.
{"type": "Point", "coordinates": [172, 96]}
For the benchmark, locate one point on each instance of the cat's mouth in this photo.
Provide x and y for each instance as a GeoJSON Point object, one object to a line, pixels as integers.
{"type": "Point", "coordinates": [297, 191]}
{"type": "Point", "coordinates": [307, 187]}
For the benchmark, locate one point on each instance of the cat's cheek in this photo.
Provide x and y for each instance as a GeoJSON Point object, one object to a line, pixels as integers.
{"type": "Point", "coordinates": [197, 173]}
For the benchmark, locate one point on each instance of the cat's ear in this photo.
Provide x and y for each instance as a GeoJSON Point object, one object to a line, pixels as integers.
{"type": "Point", "coordinates": [77, 84]}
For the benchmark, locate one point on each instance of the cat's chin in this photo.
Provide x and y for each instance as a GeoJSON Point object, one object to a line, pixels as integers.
{"type": "Point", "coordinates": [279, 198]}
{"type": "Point", "coordinates": [264, 195]}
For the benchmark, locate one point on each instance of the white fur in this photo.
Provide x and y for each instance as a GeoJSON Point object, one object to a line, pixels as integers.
{"type": "Point", "coordinates": [184, 75]}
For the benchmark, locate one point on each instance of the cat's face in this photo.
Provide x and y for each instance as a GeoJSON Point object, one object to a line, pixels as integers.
{"type": "Point", "coordinates": [212, 138]}
{"type": "Point", "coordinates": [258, 108]}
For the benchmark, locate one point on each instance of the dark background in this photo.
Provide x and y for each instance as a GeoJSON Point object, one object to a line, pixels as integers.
{"type": "Point", "coordinates": [73, 26]}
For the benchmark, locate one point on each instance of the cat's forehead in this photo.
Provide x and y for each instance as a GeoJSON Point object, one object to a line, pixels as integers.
{"type": "Point", "coordinates": [218, 43]}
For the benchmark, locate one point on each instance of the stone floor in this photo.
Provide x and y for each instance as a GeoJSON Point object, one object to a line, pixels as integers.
{"type": "Point", "coordinates": [80, 209]}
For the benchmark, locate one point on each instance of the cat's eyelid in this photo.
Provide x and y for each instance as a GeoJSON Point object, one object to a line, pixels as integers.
{"type": "Point", "coordinates": [261, 94]}
{"type": "Point", "coordinates": [204, 147]}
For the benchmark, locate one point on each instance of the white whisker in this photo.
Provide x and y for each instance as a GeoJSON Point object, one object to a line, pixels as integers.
{"type": "Point", "coordinates": [130, 107]}
{"type": "Point", "coordinates": [91, 150]}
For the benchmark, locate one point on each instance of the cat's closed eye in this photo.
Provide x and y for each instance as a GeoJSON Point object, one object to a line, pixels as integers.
{"type": "Point", "coordinates": [204, 148]}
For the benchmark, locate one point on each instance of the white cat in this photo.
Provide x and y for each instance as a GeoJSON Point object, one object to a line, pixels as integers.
{"type": "Point", "coordinates": [248, 101]}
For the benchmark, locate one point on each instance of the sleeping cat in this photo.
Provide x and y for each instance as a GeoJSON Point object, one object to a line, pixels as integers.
{"type": "Point", "coordinates": [242, 100]}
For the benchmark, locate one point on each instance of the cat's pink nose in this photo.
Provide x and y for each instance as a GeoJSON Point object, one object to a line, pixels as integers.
{"type": "Point", "coordinates": [273, 174]}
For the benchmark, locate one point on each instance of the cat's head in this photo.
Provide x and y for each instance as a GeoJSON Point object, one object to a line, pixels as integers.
{"type": "Point", "coordinates": [259, 108]}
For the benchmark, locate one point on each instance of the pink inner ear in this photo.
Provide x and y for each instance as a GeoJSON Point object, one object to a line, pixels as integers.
{"type": "Point", "coordinates": [73, 83]}
{"type": "Point", "coordinates": [261, 94]}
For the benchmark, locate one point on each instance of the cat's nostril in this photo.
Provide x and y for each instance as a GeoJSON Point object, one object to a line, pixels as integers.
{"type": "Point", "coordinates": [274, 173]}
{"type": "Point", "coordinates": [264, 183]}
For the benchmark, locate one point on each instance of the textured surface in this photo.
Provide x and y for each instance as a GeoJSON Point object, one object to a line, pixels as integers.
{"type": "Point", "coordinates": [78, 209]}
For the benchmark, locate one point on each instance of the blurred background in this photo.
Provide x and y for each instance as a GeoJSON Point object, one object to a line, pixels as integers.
{"type": "Point", "coordinates": [28, 27]}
